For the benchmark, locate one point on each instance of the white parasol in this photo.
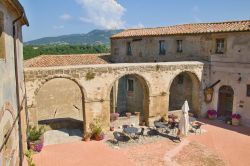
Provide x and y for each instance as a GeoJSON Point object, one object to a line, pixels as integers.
{"type": "Point", "coordinates": [184, 120]}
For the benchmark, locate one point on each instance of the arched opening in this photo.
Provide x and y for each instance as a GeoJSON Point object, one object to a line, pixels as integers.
{"type": "Point", "coordinates": [130, 95]}
{"type": "Point", "coordinates": [60, 108]}
{"type": "Point", "coordinates": [185, 86]}
{"type": "Point", "coordinates": [225, 104]}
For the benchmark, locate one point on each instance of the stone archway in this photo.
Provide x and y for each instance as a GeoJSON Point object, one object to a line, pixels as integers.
{"type": "Point", "coordinates": [60, 106]}
{"type": "Point", "coordinates": [130, 93]}
{"type": "Point", "coordinates": [225, 101]}
{"type": "Point", "coordinates": [185, 86]}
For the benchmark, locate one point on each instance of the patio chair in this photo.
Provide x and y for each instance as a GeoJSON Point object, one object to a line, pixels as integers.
{"type": "Point", "coordinates": [173, 126]}
{"type": "Point", "coordinates": [120, 137]}
{"type": "Point", "coordinates": [197, 127]}
{"type": "Point", "coordinates": [141, 133]}
{"type": "Point", "coordinates": [153, 132]}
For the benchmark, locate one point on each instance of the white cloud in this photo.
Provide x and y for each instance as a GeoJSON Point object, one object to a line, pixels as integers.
{"type": "Point", "coordinates": [104, 13]}
{"type": "Point", "coordinates": [58, 27]}
{"type": "Point", "coordinates": [65, 17]}
{"type": "Point", "coordinates": [139, 25]}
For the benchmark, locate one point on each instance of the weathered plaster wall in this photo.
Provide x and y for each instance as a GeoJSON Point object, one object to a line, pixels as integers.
{"type": "Point", "coordinates": [195, 47]}
{"type": "Point", "coordinates": [157, 76]}
{"type": "Point", "coordinates": [229, 74]}
{"type": "Point", "coordinates": [8, 107]}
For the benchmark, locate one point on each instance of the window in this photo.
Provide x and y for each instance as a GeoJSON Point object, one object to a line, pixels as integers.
{"type": "Point", "coordinates": [130, 85]}
{"type": "Point", "coordinates": [2, 43]}
{"type": "Point", "coordinates": [162, 50]}
{"type": "Point", "coordinates": [129, 51]}
{"type": "Point", "coordinates": [116, 51]}
{"type": "Point", "coordinates": [248, 90]}
{"type": "Point", "coordinates": [179, 45]}
{"type": "Point", "coordinates": [220, 46]}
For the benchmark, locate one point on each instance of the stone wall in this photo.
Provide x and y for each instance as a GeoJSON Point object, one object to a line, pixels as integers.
{"type": "Point", "coordinates": [9, 155]}
{"type": "Point", "coordinates": [96, 82]}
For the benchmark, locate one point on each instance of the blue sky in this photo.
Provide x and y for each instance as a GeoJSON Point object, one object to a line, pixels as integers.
{"type": "Point", "coordinates": [60, 17]}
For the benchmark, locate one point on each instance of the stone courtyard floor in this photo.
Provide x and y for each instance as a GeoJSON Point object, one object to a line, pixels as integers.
{"type": "Point", "coordinates": [220, 145]}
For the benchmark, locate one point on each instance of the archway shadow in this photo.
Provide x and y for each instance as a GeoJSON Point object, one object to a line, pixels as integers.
{"type": "Point", "coordinates": [71, 126]}
{"type": "Point", "coordinates": [218, 123]}
{"type": "Point", "coordinates": [154, 132]}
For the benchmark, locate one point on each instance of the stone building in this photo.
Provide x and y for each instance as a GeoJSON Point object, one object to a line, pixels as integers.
{"type": "Point", "coordinates": [151, 71]}
{"type": "Point", "coordinates": [224, 46]}
{"type": "Point", "coordinates": [12, 96]}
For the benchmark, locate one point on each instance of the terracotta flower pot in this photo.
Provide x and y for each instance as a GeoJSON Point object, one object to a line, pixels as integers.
{"type": "Point", "coordinates": [212, 117]}
{"type": "Point", "coordinates": [87, 139]}
{"type": "Point", "coordinates": [235, 122]}
{"type": "Point", "coordinates": [99, 137]}
{"type": "Point", "coordinates": [128, 114]}
{"type": "Point", "coordinates": [36, 146]}
{"type": "Point", "coordinates": [112, 128]}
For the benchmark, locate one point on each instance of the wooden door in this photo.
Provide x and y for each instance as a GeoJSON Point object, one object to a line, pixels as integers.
{"type": "Point", "coordinates": [225, 104]}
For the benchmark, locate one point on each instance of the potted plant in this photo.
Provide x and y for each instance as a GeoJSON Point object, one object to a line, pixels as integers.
{"type": "Point", "coordinates": [35, 139]}
{"type": "Point", "coordinates": [96, 130]}
{"type": "Point", "coordinates": [114, 116]}
{"type": "Point", "coordinates": [87, 136]}
{"type": "Point", "coordinates": [236, 119]}
{"type": "Point", "coordinates": [143, 123]}
{"type": "Point", "coordinates": [128, 114]}
{"type": "Point", "coordinates": [212, 114]}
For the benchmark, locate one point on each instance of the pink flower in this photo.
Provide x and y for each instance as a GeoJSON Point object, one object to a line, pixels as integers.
{"type": "Point", "coordinates": [212, 112]}
{"type": "Point", "coordinates": [236, 116]}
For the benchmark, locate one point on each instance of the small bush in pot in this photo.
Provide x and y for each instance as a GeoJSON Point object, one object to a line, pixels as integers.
{"type": "Point", "coordinates": [236, 119]}
{"type": "Point", "coordinates": [96, 130]}
{"type": "Point", "coordinates": [212, 114]}
{"type": "Point", "coordinates": [35, 139]}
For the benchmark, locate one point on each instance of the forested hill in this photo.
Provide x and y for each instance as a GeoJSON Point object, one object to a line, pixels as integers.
{"type": "Point", "coordinates": [100, 37]}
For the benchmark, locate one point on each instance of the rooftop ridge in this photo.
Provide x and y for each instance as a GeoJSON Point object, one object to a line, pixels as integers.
{"type": "Point", "coordinates": [198, 23]}
{"type": "Point", "coordinates": [189, 28]}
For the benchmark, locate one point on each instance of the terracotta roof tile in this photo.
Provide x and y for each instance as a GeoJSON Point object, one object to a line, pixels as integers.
{"type": "Point", "coordinates": [66, 60]}
{"type": "Point", "coordinates": [196, 28]}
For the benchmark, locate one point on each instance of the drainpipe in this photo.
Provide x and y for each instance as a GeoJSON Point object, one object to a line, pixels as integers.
{"type": "Point", "coordinates": [19, 107]}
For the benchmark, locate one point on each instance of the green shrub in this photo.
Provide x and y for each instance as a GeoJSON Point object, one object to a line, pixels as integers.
{"type": "Point", "coordinates": [34, 133]}
{"type": "Point", "coordinates": [90, 76]}
{"type": "Point", "coordinates": [96, 127]}
{"type": "Point", "coordinates": [29, 156]}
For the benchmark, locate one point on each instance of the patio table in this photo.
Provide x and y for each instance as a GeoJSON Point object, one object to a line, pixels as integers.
{"type": "Point", "coordinates": [161, 125]}
{"type": "Point", "coordinates": [131, 131]}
